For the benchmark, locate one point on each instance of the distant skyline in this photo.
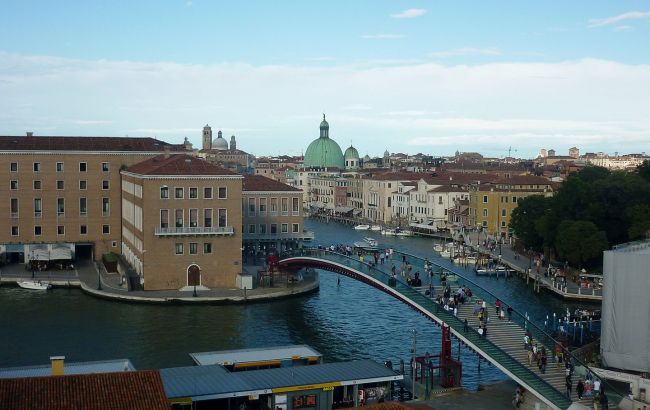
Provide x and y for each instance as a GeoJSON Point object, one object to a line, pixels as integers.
{"type": "Point", "coordinates": [407, 76]}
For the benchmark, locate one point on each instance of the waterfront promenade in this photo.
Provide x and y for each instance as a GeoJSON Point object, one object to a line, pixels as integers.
{"type": "Point", "coordinates": [525, 266]}
{"type": "Point", "coordinates": [86, 277]}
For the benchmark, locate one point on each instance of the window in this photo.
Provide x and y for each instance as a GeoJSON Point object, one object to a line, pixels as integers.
{"type": "Point", "coordinates": [164, 192]}
{"type": "Point", "coordinates": [60, 230]}
{"type": "Point", "coordinates": [262, 206]}
{"type": "Point", "coordinates": [105, 167]}
{"type": "Point", "coordinates": [514, 199]}
{"type": "Point", "coordinates": [14, 231]}
{"type": "Point", "coordinates": [503, 212]}
{"type": "Point", "coordinates": [274, 206]}
{"type": "Point", "coordinates": [504, 199]}
{"type": "Point", "coordinates": [106, 206]}
{"type": "Point", "coordinates": [104, 184]}
{"type": "Point", "coordinates": [285, 206]}
{"type": "Point", "coordinates": [178, 193]}
{"type": "Point", "coordinates": [114, 244]}
{"type": "Point", "coordinates": [251, 228]}
{"type": "Point", "coordinates": [83, 206]}
{"type": "Point", "coordinates": [83, 229]}
{"type": "Point", "coordinates": [295, 206]}
{"type": "Point", "coordinates": [207, 218]}
{"type": "Point", "coordinates": [503, 224]}
{"type": "Point", "coordinates": [37, 184]}
{"type": "Point", "coordinates": [485, 213]}
{"type": "Point", "coordinates": [164, 218]}
{"type": "Point", "coordinates": [194, 248]}
{"type": "Point", "coordinates": [285, 228]}
{"type": "Point", "coordinates": [223, 194]}
{"type": "Point", "coordinates": [14, 207]}
{"type": "Point", "coordinates": [194, 218]}
{"type": "Point", "coordinates": [83, 167]}
{"type": "Point", "coordinates": [485, 223]}
{"type": "Point", "coordinates": [37, 166]}
{"type": "Point", "coordinates": [13, 167]}
{"type": "Point", "coordinates": [207, 193]}
{"type": "Point", "coordinates": [440, 200]}
{"type": "Point", "coordinates": [207, 247]}
{"type": "Point", "coordinates": [38, 230]}
{"type": "Point", "coordinates": [83, 185]}
{"type": "Point", "coordinates": [194, 193]}
{"type": "Point", "coordinates": [223, 218]}
{"type": "Point", "coordinates": [251, 206]}
{"type": "Point", "coordinates": [178, 218]}
{"type": "Point", "coordinates": [13, 185]}
{"type": "Point", "coordinates": [38, 207]}
{"type": "Point", "coordinates": [59, 167]}
{"type": "Point", "coordinates": [262, 229]}
{"type": "Point", "coordinates": [274, 228]}
{"type": "Point", "coordinates": [60, 185]}
{"type": "Point", "coordinates": [485, 199]}
{"type": "Point", "coordinates": [295, 228]}
{"type": "Point", "coordinates": [60, 206]}
{"type": "Point", "coordinates": [179, 249]}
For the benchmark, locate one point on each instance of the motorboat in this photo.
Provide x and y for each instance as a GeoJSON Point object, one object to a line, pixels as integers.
{"type": "Point", "coordinates": [370, 241]}
{"type": "Point", "coordinates": [396, 232]}
{"type": "Point", "coordinates": [467, 259]}
{"type": "Point", "coordinates": [362, 227]}
{"type": "Point", "coordinates": [34, 285]}
{"type": "Point", "coordinates": [376, 228]}
{"type": "Point", "coordinates": [365, 246]}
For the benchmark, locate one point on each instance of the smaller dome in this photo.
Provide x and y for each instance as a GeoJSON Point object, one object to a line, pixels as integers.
{"type": "Point", "coordinates": [366, 158]}
{"type": "Point", "coordinates": [386, 153]}
{"type": "Point", "coordinates": [324, 124]}
{"type": "Point", "coordinates": [219, 142]}
{"type": "Point", "coordinates": [351, 153]}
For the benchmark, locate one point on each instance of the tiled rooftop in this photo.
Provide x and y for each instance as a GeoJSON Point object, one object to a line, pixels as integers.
{"type": "Point", "coordinates": [177, 164]}
{"type": "Point", "coordinates": [139, 390]}
{"type": "Point", "coordinates": [262, 183]}
{"type": "Point", "coordinates": [46, 143]}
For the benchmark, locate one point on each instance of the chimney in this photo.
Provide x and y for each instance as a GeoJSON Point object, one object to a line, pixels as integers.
{"type": "Point", "coordinates": [57, 365]}
{"type": "Point", "coordinates": [168, 151]}
{"type": "Point", "coordinates": [30, 134]}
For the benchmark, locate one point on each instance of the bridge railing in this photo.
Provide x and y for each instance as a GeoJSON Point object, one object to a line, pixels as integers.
{"type": "Point", "coordinates": [426, 303]}
{"type": "Point", "coordinates": [537, 333]}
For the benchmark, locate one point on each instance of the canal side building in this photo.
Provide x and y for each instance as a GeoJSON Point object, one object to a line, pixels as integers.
{"type": "Point", "coordinates": [189, 234]}
{"type": "Point", "coordinates": [62, 194]}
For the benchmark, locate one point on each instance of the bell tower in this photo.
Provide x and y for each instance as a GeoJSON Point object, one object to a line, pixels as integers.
{"type": "Point", "coordinates": [207, 137]}
{"type": "Point", "coordinates": [233, 142]}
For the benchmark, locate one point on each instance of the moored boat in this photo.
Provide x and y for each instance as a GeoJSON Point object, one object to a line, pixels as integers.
{"type": "Point", "coordinates": [34, 285]}
{"type": "Point", "coordinates": [362, 227]}
{"type": "Point", "coordinates": [375, 228]}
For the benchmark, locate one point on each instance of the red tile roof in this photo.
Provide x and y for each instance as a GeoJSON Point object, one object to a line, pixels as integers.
{"type": "Point", "coordinates": [261, 183]}
{"type": "Point", "coordinates": [38, 143]}
{"type": "Point", "coordinates": [177, 164]}
{"type": "Point", "coordinates": [139, 390]}
{"type": "Point", "coordinates": [523, 180]}
{"type": "Point", "coordinates": [397, 176]}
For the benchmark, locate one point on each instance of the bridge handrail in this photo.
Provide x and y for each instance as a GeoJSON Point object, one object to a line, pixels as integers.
{"type": "Point", "coordinates": [528, 325]}
{"type": "Point", "coordinates": [541, 385]}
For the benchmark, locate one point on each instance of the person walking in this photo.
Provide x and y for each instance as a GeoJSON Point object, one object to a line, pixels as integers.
{"type": "Point", "coordinates": [465, 325]}
{"type": "Point", "coordinates": [580, 389]}
{"type": "Point", "coordinates": [530, 357]}
{"type": "Point", "coordinates": [509, 313]}
{"type": "Point", "coordinates": [569, 386]}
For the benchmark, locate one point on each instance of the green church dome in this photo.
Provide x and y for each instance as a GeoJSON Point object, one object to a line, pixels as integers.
{"type": "Point", "coordinates": [324, 152]}
{"type": "Point", "coordinates": [351, 153]}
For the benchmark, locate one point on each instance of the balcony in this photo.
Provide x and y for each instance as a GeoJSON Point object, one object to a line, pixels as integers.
{"type": "Point", "coordinates": [305, 235]}
{"type": "Point", "coordinates": [197, 231]}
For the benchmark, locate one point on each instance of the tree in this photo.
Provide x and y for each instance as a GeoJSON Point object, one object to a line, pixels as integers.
{"type": "Point", "coordinates": [644, 170]}
{"type": "Point", "coordinates": [524, 218]}
{"type": "Point", "coordinates": [579, 242]}
{"type": "Point", "coordinates": [638, 217]}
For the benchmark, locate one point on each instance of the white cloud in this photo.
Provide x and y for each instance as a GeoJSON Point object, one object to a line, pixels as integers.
{"type": "Point", "coordinates": [278, 108]}
{"type": "Point", "coordinates": [465, 51]}
{"type": "Point", "coordinates": [409, 13]}
{"type": "Point", "coordinates": [383, 36]}
{"type": "Point", "coordinates": [623, 28]}
{"type": "Point", "coordinates": [630, 15]}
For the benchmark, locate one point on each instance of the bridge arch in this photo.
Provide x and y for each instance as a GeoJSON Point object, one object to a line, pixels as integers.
{"type": "Point", "coordinates": [362, 272]}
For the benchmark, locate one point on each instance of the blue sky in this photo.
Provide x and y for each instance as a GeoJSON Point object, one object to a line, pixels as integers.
{"type": "Point", "coordinates": [409, 76]}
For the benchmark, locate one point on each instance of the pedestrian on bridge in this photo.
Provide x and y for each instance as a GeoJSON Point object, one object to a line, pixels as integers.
{"type": "Point", "coordinates": [509, 313]}
{"type": "Point", "coordinates": [382, 256]}
{"type": "Point", "coordinates": [569, 386]}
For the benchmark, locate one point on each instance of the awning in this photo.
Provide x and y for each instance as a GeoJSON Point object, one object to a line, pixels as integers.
{"type": "Point", "coordinates": [61, 252]}
{"type": "Point", "coordinates": [357, 212]}
{"type": "Point", "coordinates": [343, 209]}
{"type": "Point", "coordinates": [317, 204]}
{"type": "Point", "coordinates": [38, 253]}
{"type": "Point", "coordinates": [14, 247]}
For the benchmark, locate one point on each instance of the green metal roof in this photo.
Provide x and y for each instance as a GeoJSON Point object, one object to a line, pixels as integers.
{"type": "Point", "coordinates": [351, 153]}
{"type": "Point", "coordinates": [324, 152]}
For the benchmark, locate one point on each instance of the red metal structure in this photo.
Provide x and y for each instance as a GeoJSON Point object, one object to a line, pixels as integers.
{"type": "Point", "coordinates": [441, 369]}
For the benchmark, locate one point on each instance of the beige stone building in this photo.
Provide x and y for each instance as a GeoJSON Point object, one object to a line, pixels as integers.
{"type": "Point", "coordinates": [273, 215]}
{"type": "Point", "coordinates": [61, 195]}
{"type": "Point", "coordinates": [181, 219]}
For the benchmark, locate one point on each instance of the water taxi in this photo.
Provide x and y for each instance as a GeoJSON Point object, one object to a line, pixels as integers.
{"type": "Point", "coordinates": [34, 285]}
{"type": "Point", "coordinates": [362, 227]}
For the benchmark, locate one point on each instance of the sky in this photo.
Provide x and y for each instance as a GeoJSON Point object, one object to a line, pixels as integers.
{"type": "Point", "coordinates": [496, 77]}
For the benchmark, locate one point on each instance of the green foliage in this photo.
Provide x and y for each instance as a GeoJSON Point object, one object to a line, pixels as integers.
{"type": "Point", "coordinates": [593, 208]}
{"type": "Point", "coordinates": [579, 242]}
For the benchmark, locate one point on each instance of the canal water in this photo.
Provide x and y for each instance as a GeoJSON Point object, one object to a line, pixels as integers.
{"type": "Point", "coordinates": [346, 322]}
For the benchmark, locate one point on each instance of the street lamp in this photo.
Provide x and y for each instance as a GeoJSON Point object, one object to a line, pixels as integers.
{"type": "Point", "coordinates": [413, 366]}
